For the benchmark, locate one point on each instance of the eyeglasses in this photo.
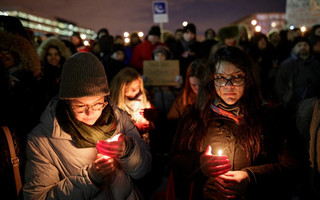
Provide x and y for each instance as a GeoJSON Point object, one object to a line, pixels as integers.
{"type": "Point", "coordinates": [83, 108]}
{"type": "Point", "coordinates": [235, 81]}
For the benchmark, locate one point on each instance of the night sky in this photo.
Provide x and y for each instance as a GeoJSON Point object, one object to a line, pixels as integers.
{"type": "Point", "coordinates": [136, 15]}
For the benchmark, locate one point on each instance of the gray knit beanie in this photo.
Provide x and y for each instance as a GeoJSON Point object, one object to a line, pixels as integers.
{"type": "Point", "coordinates": [83, 75]}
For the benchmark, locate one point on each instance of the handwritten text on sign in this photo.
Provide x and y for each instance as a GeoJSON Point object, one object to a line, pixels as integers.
{"type": "Point", "coordinates": [160, 73]}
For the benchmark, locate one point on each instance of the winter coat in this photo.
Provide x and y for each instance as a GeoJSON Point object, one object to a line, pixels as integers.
{"type": "Point", "coordinates": [57, 169]}
{"type": "Point", "coordinates": [111, 67]}
{"type": "Point", "coordinates": [141, 52]}
{"type": "Point", "coordinates": [297, 80]}
{"type": "Point", "coordinates": [271, 173]}
{"type": "Point", "coordinates": [308, 124]}
{"type": "Point", "coordinates": [177, 109]}
{"type": "Point", "coordinates": [195, 47]}
{"type": "Point", "coordinates": [19, 85]}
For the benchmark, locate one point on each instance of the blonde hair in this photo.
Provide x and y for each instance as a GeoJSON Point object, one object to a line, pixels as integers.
{"type": "Point", "coordinates": [122, 79]}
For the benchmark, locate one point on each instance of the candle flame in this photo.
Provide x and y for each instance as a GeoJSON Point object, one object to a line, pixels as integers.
{"type": "Point", "coordinates": [115, 138]}
{"type": "Point", "coordinates": [220, 152]}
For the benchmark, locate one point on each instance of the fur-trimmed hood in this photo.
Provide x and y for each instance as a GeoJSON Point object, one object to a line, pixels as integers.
{"type": "Point", "coordinates": [53, 41]}
{"type": "Point", "coordinates": [28, 57]}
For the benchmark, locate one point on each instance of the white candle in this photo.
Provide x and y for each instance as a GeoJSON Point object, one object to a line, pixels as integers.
{"type": "Point", "coordinates": [114, 138]}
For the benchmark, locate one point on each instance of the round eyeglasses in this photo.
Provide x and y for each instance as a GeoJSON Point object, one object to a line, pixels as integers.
{"type": "Point", "coordinates": [84, 107]}
{"type": "Point", "coordinates": [235, 81]}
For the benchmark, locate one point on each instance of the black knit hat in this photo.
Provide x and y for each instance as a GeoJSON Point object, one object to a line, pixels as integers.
{"type": "Point", "coordinates": [155, 30]}
{"type": "Point", "coordinates": [83, 75]}
{"type": "Point", "coordinates": [190, 27]}
{"type": "Point", "coordinates": [300, 39]}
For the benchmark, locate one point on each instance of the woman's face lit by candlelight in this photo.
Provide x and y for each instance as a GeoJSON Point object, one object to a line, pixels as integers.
{"type": "Point", "coordinates": [229, 93]}
{"type": "Point", "coordinates": [132, 89]}
{"type": "Point", "coordinates": [89, 116]}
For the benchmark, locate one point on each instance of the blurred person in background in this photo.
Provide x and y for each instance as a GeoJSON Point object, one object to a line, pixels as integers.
{"type": "Point", "coordinates": [20, 95]}
{"type": "Point", "coordinates": [315, 46]}
{"type": "Point", "coordinates": [118, 39]}
{"type": "Point", "coordinates": [298, 76]}
{"type": "Point", "coordinates": [195, 74]}
{"type": "Point", "coordinates": [143, 51]}
{"type": "Point", "coordinates": [114, 62]}
{"type": "Point", "coordinates": [209, 41]}
{"type": "Point", "coordinates": [19, 71]}
{"type": "Point", "coordinates": [102, 46]}
{"type": "Point", "coordinates": [128, 50]}
{"type": "Point", "coordinates": [178, 34]}
{"type": "Point", "coordinates": [244, 37]}
{"type": "Point", "coordinates": [53, 54]}
{"type": "Point", "coordinates": [189, 48]}
{"type": "Point", "coordinates": [78, 43]}
{"type": "Point", "coordinates": [228, 36]}
{"type": "Point", "coordinates": [263, 56]}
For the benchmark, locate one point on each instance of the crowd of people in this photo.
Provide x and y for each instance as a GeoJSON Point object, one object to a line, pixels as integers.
{"type": "Point", "coordinates": [241, 122]}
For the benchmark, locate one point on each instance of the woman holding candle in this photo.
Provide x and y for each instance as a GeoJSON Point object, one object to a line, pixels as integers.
{"type": "Point", "coordinates": [257, 160]}
{"type": "Point", "coordinates": [84, 147]}
{"type": "Point", "coordinates": [129, 94]}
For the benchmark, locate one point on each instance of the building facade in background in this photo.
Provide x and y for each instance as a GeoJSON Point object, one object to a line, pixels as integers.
{"type": "Point", "coordinates": [42, 26]}
{"type": "Point", "coordinates": [263, 22]}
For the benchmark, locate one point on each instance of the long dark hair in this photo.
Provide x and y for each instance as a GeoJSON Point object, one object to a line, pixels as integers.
{"type": "Point", "coordinates": [193, 126]}
{"type": "Point", "coordinates": [195, 69]}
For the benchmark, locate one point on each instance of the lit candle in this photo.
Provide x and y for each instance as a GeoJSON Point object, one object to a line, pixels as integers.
{"type": "Point", "coordinates": [106, 157]}
{"type": "Point", "coordinates": [114, 138]}
{"type": "Point", "coordinates": [219, 152]}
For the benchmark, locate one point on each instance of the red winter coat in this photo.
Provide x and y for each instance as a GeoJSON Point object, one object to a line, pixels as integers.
{"type": "Point", "coordinates": [141, 52]}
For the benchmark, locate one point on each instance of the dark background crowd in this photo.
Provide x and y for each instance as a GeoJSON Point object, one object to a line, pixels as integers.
{"type": "Point", "coordinates": [286, 70]}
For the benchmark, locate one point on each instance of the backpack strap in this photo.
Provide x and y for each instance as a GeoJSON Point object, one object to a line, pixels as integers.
{"type": "Point", "coordinates": [14, 159]}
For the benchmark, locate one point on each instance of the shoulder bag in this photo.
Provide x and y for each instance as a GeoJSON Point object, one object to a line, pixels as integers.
{"type": "Point", "coordinates": [14, 159]}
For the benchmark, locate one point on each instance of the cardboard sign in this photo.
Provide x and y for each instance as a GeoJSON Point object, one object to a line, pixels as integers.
{"type": "Point", "coordinates": [160, 73]}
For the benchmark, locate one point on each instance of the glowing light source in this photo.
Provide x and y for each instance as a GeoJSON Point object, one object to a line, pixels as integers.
{"type": "Point", "coordinates": [219, 152]}
{"type": "Point", "coordinates": [140, 34]}
{"type": "Point", "coordinates": [303, 29]}
{"type": "Point", "coordinates": [126, 34]}
{"type": "Point", "coordinates": [254, 22]}
{"type": "Point", "coordinates": [83, 36]}
{"type": "Point", "coordinates": [184, 23]}
{"type": "Point", "coordinates": [257, 28]}
{"type": "Point", "coordinates": [126, 40]}
{"type": "Point", "coordinates": [208, 150]}
{"type": "Point", "coordinates": [291, 27]}
{"type": "Point", "coordinates": [86, 43]}
{"type": "Point", "coordinates": [273, 24]}
{"type": "Point", "coordinates": [114, 138]}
